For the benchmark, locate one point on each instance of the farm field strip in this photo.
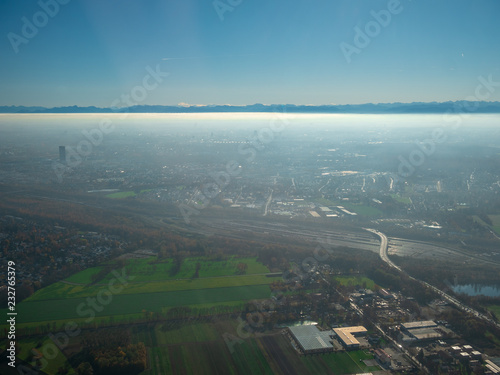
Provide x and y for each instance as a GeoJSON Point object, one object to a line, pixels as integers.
{"type": "Point", "coordinates": [249, 359]}
{"type": "Point", "coordinates": [198, 332]}
{"type": "Point", "coordinates": [62, 290]}
{"type": "Point", "coordinates": [59, 324]}
{"type": "Point", "coordinates": [148, 269]}
{"type": "Point", "coordinates": [85, 276]}
{"type": "Point", "coordinates": [112, 320]}
{"type": "Point", "coordinates": [41, 310]}
{"type": "Point", "coordinates": [341, 363]}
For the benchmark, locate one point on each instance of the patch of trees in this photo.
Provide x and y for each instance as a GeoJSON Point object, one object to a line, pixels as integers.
{"type": "Point", "coordinates": [197, 270]}
{"type": "Point", "coordinates": [387, 278]}
{"type": "Point", "coordinates": [176, 264]}
{"type": "Point", "coordinates": [241, 268]}
{"type": "Point", "coordinates": [444, 273]}
{"type": "Point", "coordinates": [118, 263]}
{"type": "Point", "coordinates": [390, 278]}
{"type": "Point", "coordinates": [275, 256]}
{"type": "Point", "coordinates": [110, 352]}
{"type": "Point", "coordinates": [476, 331]}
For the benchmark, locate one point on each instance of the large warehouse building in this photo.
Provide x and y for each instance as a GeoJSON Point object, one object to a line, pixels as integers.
{"type": "Point", "coordinates": [311, 340]}
{"type": "Point", "coordinates": [346, 336]}
{"type": "Point", "coordinates": [422, 330]}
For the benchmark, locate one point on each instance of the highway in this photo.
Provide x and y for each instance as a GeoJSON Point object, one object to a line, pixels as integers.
{"type": "Point", "coordinates": [383, 255]}
{"type": "Point", "coordinates": [335, 236]}
{"type": "Point", "coordinates": [384, 245]}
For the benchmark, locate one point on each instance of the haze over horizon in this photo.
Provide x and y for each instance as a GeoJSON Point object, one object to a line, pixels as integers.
{"type": "Point", "coordinates": [91, 53]}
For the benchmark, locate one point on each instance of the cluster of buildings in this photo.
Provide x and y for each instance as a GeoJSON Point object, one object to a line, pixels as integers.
{"type": "Point", "coordinates": [422, 330]}
{"type": "Point", "coordinates": [447, 358]}
{"type": "Point", "coordinates": [310, 340]}
{"type": "Point", "coordinates": [45, 249]}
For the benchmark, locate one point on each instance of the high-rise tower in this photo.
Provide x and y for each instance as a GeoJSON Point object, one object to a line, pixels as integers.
{"type": "Point", "coordinates": [62, 154]}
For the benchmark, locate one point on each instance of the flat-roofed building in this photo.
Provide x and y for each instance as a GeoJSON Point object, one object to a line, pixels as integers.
{"type": "Point", "coordinates": [314, 214]}
{"type": "Point", "coordinates": [311, 340]}
{"type": "Point", "coordinates": [464, 356]}
{"type": "Point", "coordinates": [420, 324]}
{"type": "Point", "coordinates": [425, 333]}
{"type": "Point", "coordinates": [476, 355]}
{"type": "Point", "coordinates": [422, 330]}
{"type": "Point", "coordinates": [62, 154]}
{"type": "Point", "coordinates": [346, 336]}
{"type": "Point", "coordinates": [468, 348]}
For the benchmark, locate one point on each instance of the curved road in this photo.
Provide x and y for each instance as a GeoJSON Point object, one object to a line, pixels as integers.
{"type": "Point", "coordinates": [447, 297]}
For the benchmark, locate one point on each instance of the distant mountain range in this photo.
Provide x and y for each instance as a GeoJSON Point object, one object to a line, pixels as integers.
{"type": "Point", "coordinates": [396, 108]}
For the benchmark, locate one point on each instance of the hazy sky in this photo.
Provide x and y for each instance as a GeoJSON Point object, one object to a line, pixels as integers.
{"type": "Point", "coordinates": [91, 52]}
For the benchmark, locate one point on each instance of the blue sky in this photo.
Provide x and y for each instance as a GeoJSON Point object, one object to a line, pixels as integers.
{"type": "Point", "coordinates": [264, 51]}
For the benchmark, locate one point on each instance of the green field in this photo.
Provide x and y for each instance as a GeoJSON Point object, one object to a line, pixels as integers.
{"type": "Point", "coordinates": [362, 209]}
{"type": "Point", "coordinates": [84, 277]}
{"type": "Point", "coordinates": [495, 309]}
{"type": "Point", "coordinates": [355, 280]}
{"type": "Point", "coordinates": [358, 208]}
{"type": "Point", "coordinates": [121, 195]}
{"type": "Point", "coordinates": [62, 290]}
{"type": "Point", "coordinates": [122, 299]}
{"type": "Point", "coordinates": [148, 270]}
{"type": "Point", "coordinates": [125, 194]}
{"type": "Point", "coordinates": [55, 309]}
{"type": "Point", "coordinates": [495, 219]}
{"type": "Point", "coordinates": [496, 223]}
{"type": "Point", "coordinates": [147, 277]}
{"type": "Point", "coordinates": [401, 199]}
